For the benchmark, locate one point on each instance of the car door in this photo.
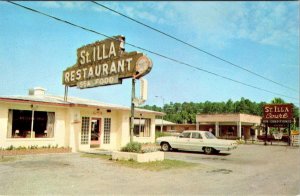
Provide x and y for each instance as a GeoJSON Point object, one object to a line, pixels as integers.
{"type": "Point", "coordinates": [196, 141]}
{"type": "Point", "coordinates": [182, 142]}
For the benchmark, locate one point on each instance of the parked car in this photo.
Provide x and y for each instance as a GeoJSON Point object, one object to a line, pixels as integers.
{"type": "Point", "coordinates": [196, 141]}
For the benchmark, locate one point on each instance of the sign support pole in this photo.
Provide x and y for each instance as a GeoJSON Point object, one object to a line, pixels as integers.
{"type": "Point", "coordinates": [266, 133]}
{"type": "Point", "coordinates": [66, 93]}
{"type": "Point", "coordinates": [132, 110]}
{"type": "Point", "coordinates": [289, 134]}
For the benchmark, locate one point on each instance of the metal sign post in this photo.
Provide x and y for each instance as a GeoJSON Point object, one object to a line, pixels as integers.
{"type": "Point", "coordinates": [266, 133]}
{"type": "Point", "coordinates": [132, 110]}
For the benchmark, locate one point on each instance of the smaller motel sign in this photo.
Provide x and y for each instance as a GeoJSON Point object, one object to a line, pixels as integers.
{"type": "Point", "coordinates": [277, 113]}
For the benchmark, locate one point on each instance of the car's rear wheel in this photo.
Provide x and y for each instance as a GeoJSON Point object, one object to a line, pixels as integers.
{"type": "Point", "coordinates": [208, 150]}
{"type": "Point", "coordinates": [165, 146]}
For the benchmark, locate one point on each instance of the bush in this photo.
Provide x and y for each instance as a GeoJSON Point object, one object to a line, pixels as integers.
{"type": "Point", "coordinates": [11, 147]}
{"type": "Point", "coordinates": [161, 134]}
{"type": "Point", "coordinates": [132, 147]}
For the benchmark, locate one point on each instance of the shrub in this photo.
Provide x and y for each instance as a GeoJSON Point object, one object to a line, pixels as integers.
{"type": "Point", "coordinates": [21, 148]}
{"type": "Point", "coordinates": [132, 147]}
{"type": "Point", "coordinates": [33, 147]}
{"type": "Point", "coordinates": [11, 147]}
{"type": "Point", "coordinates": [161, 134]}
{"type": "Point", "coordinates": [240, 141]}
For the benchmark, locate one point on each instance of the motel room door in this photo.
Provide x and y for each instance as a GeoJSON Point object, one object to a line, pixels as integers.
{"type": "Point", "coordinates": [95, 132]}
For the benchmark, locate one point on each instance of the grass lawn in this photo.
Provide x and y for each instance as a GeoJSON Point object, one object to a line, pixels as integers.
{"type": "Point", "coordinates": [151, 166]}
{"type": "Point", "coordinates": [102, 156]}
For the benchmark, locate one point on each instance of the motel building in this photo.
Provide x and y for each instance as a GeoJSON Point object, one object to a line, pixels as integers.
{"type": "Point", "coordinates": [42, 120]}
{"type": "Point", "coordinates": [230, 126]}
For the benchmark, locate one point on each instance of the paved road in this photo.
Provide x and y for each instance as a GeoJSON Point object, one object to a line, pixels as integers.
{"type": "Point", "coordinates": [249, 170]}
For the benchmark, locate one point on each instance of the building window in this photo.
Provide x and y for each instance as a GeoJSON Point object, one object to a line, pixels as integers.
{"type": "Point", "coordinates": [142, 127]}
{"type": "Point", "coordinates": [30, 124]}
{"type": "Point", "coordinates": [85, 130]}
{"type": "Point", "coordinates": [107, 128]}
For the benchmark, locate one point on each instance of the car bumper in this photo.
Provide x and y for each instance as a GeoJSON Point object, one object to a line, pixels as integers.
{"type": "Point", "coordinates": [226, 148]}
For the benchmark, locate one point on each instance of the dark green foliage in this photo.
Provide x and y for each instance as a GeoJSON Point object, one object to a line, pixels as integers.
{"type": "Point", "coordinates": [161, 134]}
{"type": "Point", "coordinates": [186, 112]}
{"type": "Point", "coordinates": [132, 147]}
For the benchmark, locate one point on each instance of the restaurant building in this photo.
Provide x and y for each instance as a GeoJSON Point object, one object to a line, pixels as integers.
{"type": "Point", "coordinates": [38, 119]}
{"type": "Point", "coordinates": [230, 126]}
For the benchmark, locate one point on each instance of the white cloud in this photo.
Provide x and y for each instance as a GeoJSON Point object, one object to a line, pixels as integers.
{"type": "Point", "coordinates": [72, 4]}
{"type": "Point", "coordinates": [50, 4]}
{"type": "Point", "coordinates": [270, 23]}
{"type": "Point", "coordinates": [63, 4]}
{"type": "Point", "coordinates": [142, 11]}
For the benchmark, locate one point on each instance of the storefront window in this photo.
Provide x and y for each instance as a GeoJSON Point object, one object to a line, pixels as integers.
{"type": "Point", "coordinates": [142, 127]}
{"type": "Point", "coordinates": [30, 124]}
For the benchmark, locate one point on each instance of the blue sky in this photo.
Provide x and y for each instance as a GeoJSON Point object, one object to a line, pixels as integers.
{"type": "Point", "coordinates": [260, 36]}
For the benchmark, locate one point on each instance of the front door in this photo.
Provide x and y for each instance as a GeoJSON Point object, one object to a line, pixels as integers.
{"type": "Point", "coordinates": [95, 132]}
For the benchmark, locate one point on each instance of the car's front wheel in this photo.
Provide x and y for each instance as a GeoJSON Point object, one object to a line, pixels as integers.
{"type": "Point", "coordinates": [165, 146]}
{"type": "Point", "coordinates": [208, 150]}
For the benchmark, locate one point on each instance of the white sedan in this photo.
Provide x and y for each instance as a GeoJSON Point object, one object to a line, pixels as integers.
{"type": "Point", "coordinates": [196, 141]}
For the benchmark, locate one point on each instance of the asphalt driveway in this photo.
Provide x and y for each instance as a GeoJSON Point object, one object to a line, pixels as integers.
{"type": "Point", "coordinates": [249, 170]}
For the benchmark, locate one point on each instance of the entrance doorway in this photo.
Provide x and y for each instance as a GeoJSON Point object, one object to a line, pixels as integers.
{"type": "Point", "coordinates": [95, 132]}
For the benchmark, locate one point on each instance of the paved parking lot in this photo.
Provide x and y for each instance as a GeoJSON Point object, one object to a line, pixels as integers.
{"type": "Point", "coordinates": [249, 170]}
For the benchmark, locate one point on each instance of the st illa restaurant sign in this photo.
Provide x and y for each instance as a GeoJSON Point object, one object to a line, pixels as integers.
{"type": "Point", "coordinates": [277, 114]}
{"type": "Point", "coordinates": [105, 63]}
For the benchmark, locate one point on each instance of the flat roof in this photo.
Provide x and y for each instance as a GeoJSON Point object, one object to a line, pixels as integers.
{"type": "Point", "coordinates": [71, 102]}
{"type": "Point", "coordinates": [237, 117]}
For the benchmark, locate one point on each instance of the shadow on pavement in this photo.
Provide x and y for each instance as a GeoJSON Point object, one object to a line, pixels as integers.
{"type": "Point", "coordinates": [194, 152]}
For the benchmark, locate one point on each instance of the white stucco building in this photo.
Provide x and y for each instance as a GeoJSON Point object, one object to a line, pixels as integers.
{"type": "Point", "coordinates": [42, 119]}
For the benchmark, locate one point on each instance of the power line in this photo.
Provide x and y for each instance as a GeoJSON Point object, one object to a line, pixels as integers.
{"type": "Point", "coordinates": [195, 47]}
{"type": "Point", "coordinates": [155, 53]}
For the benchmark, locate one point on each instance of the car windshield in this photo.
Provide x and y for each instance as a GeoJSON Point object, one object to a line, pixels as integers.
{"type": "Point", "coordinates": [209, 135]}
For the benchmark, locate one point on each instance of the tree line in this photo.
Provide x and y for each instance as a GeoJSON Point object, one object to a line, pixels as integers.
{"type": "Point", "coordinates": [183, 113]}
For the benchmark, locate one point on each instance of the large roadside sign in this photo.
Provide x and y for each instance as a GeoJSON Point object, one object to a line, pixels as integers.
{"type": "Point", "coordinates": [277, 114]}
{"type": "Point", "coordinates": [105, 63]}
